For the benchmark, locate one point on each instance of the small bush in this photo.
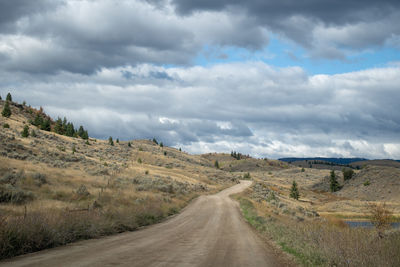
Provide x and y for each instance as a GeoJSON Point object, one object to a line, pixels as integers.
{"type": "Point", "coordinates": [294, 191]}
{"type": "Point", "coordinates": [25, 131]}
{"type": "Point", "coordinates": [6, 110]}
{"type": "Point", "coordinates": [247, 176]}
{"type": "Point", "coordinates": [380, 215]}
{"type": "Point", "coordinates": [216, 164]}
{"type": "Point", "coordinates": [82, 192]}
{"type": "Point", "coordinates": [6, 126]}
{"type": "Point", "coordinates": [139, 160]}
{"type": "Point", "coordinates": [11, 194]}
{"type": "Point", "coordinates": [367, 183]}
{"type": "Point", "coordinates": [33, 133]}
{"type": "Point", "coordinates": [347, 173]}
{"type": "Point", "coordinates": [40, 179]}
{"type": "Point", "coordinates": [12, 178]}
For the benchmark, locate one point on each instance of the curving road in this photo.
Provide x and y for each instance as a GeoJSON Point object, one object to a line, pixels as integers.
{"type": "Point", "coordinates": [209, 232]}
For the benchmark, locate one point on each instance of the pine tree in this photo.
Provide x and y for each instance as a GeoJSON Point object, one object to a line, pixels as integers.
{"type": "Point", "coordinates": [70, 130]}
{"type": "Point", "coordinates": [58, 127]}
{"type": "Point", "coordinates": [25, 131]}
{"type": "Point", "coordinates": [38, 120]}
{"type": "Point", "coordinates": [294, 191]}
{"type": "Point", "coordinates": [46, 125]}
{"type": "Point", "coordinates": [6, 110]}
{"type": "Point", "coordinates": [161, 144]}
{"type": "Point", "coordinates": [85, 135]}
{"type": "Point", "coordinates": [33, 133]}
{"type": "Point", "coordinates": [64, 125]}
{"type": "Point", "coordinates": [81, 131]}
{"type": "Point", "coordinates": [110, 141]}
{"type": "Point", "coordinates": [216, 164]}
{"type": "Point", "coordinates": [117, 141]}
{"type": "Point", "coordinates": [1, 98]}
{"type": "Point", "coordinates": [9, 97]}
{"type": "Point", "coordinates": [155, 141]}
{"type": "Point", "coordinates": [334, 184]}
{"type": "Point", "coordinates": [129, 144]}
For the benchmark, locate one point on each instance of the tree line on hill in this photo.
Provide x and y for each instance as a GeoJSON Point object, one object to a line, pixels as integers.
{"type": "Point", "coordinates": [44, 122]}
{"type": "Point", "coordinates": [238, 155]}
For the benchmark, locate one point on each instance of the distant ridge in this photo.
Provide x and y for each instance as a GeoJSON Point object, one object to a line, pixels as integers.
{"type": "Point", "coordinates": [341, 161]}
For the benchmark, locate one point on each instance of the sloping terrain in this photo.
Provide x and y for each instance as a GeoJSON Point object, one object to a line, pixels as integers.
{"type": "Point", "coordinates": [373, 183]}
{"type": "Point", "coordinates": [78, 189]}
{"type": "Point", "coordinates": [209, 232]}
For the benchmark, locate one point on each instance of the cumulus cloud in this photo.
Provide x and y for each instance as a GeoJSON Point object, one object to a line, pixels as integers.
{"type": "Point", "coordinates": [126, 68]}
{"type": "Point", "coordinates": [250, 106]}
{"type": "Point", "coordinates": [84, 36]}
{"type": "Point", "coordinates": [350, 25]}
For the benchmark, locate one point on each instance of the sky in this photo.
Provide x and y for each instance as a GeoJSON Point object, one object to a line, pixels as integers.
{"type": "Point", "coordinates": [267, 78]}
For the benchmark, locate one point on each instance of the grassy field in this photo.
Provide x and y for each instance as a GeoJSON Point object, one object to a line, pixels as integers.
{"type": "Point", "coordinates": [319, 241]}
{"type": "Point", "coordinates": [56, 189]}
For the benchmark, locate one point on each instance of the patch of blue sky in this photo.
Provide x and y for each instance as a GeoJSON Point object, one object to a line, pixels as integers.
{"type": "Point", "coordinates": [280, 53]}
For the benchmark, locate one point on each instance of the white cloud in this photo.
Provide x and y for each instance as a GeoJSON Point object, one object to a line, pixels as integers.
{"type": "Point", "coordinates": [249, 107]}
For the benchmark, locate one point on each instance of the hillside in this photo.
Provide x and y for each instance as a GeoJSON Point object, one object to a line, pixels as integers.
{"type": "Point", "coordinates": [56, 189]}
{"type": "Point", "coordinates": [72, 182]}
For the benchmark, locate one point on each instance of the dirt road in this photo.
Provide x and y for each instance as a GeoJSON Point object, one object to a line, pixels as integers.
{"type": "Point", "coordinates": [209, 232]}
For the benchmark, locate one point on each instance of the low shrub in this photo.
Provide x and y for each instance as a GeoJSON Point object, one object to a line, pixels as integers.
{"type": "Point", "coordinates": [40, 179]}
{"type": "Point", "coordinates": [321, 243]}
{"type": "Point", "coordinates": [11, 194]}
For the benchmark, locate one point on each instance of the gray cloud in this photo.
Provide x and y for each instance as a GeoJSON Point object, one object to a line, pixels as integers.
{"type": "Point", "coordinates": [251, 107]}
{"type": "Point", "coordinates": [110, 34]}
{"type": "Point", "coordinates": [353, 24]}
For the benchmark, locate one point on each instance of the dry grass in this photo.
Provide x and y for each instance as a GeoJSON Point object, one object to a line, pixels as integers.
{"type": "Point", "coordinates": [97, 190]}
{"type": "Point", "coordinates": [325, 242]}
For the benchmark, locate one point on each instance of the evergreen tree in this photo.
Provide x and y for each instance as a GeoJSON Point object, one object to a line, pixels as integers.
{"type": "Point", "coordinates": [85, 135]}
{"type": "Point", "coordinates": [117, 141]}
{"type": "Point", "coordinates": [110, 141]}
{"type": "Point", "coordinates": [46, 125]}
{"type": "Point", "coordinates": [155, 141]}
{"type": "Point", "coordinates": [129, 144]}
{"type": "Point", "coordinates": [216, 164]}
{"type": "Point", "coordinates": [9, 97]}
{"type": "Point", "coordinates": [1, 98]}
{"type": "Point", "coordinates": [58, 127]}
{"type": "Point", "coordinates": [334, 184]}
{"type": "Point", "coordinates": [294, 191]}
{"type": "Point", "coordinates": [33, 133]}
{"type": "Point", "coordinates": [161, 144]}
{"type": "Point", "coordinates": [70, 130]}
{"type": "Point", "coordinates": [81, 131]}
{"type": "Point", "coordinates": [6, 110]}
{"type": "Point", "coordinates": [25, 131]}
{"type": "Point", "coordinates": [347, 173]}
{"type": "Point", "coordinates": [38, 120]}
{"type": "Point", "coordinates": [64, 125]}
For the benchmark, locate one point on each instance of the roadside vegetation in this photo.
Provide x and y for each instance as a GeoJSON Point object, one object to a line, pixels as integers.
{"type": "Point", "coordinates": [58, 185]}
{"type": "Point", "coordinates": [315, 240]}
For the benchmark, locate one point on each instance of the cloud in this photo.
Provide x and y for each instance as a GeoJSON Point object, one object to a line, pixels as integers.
{"type": "Point", "coordinates": [85, 36]}
{"type": "Point", "coordinates": [312, 23]}
{"type": "Point", "coordinates": [250, 106]}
